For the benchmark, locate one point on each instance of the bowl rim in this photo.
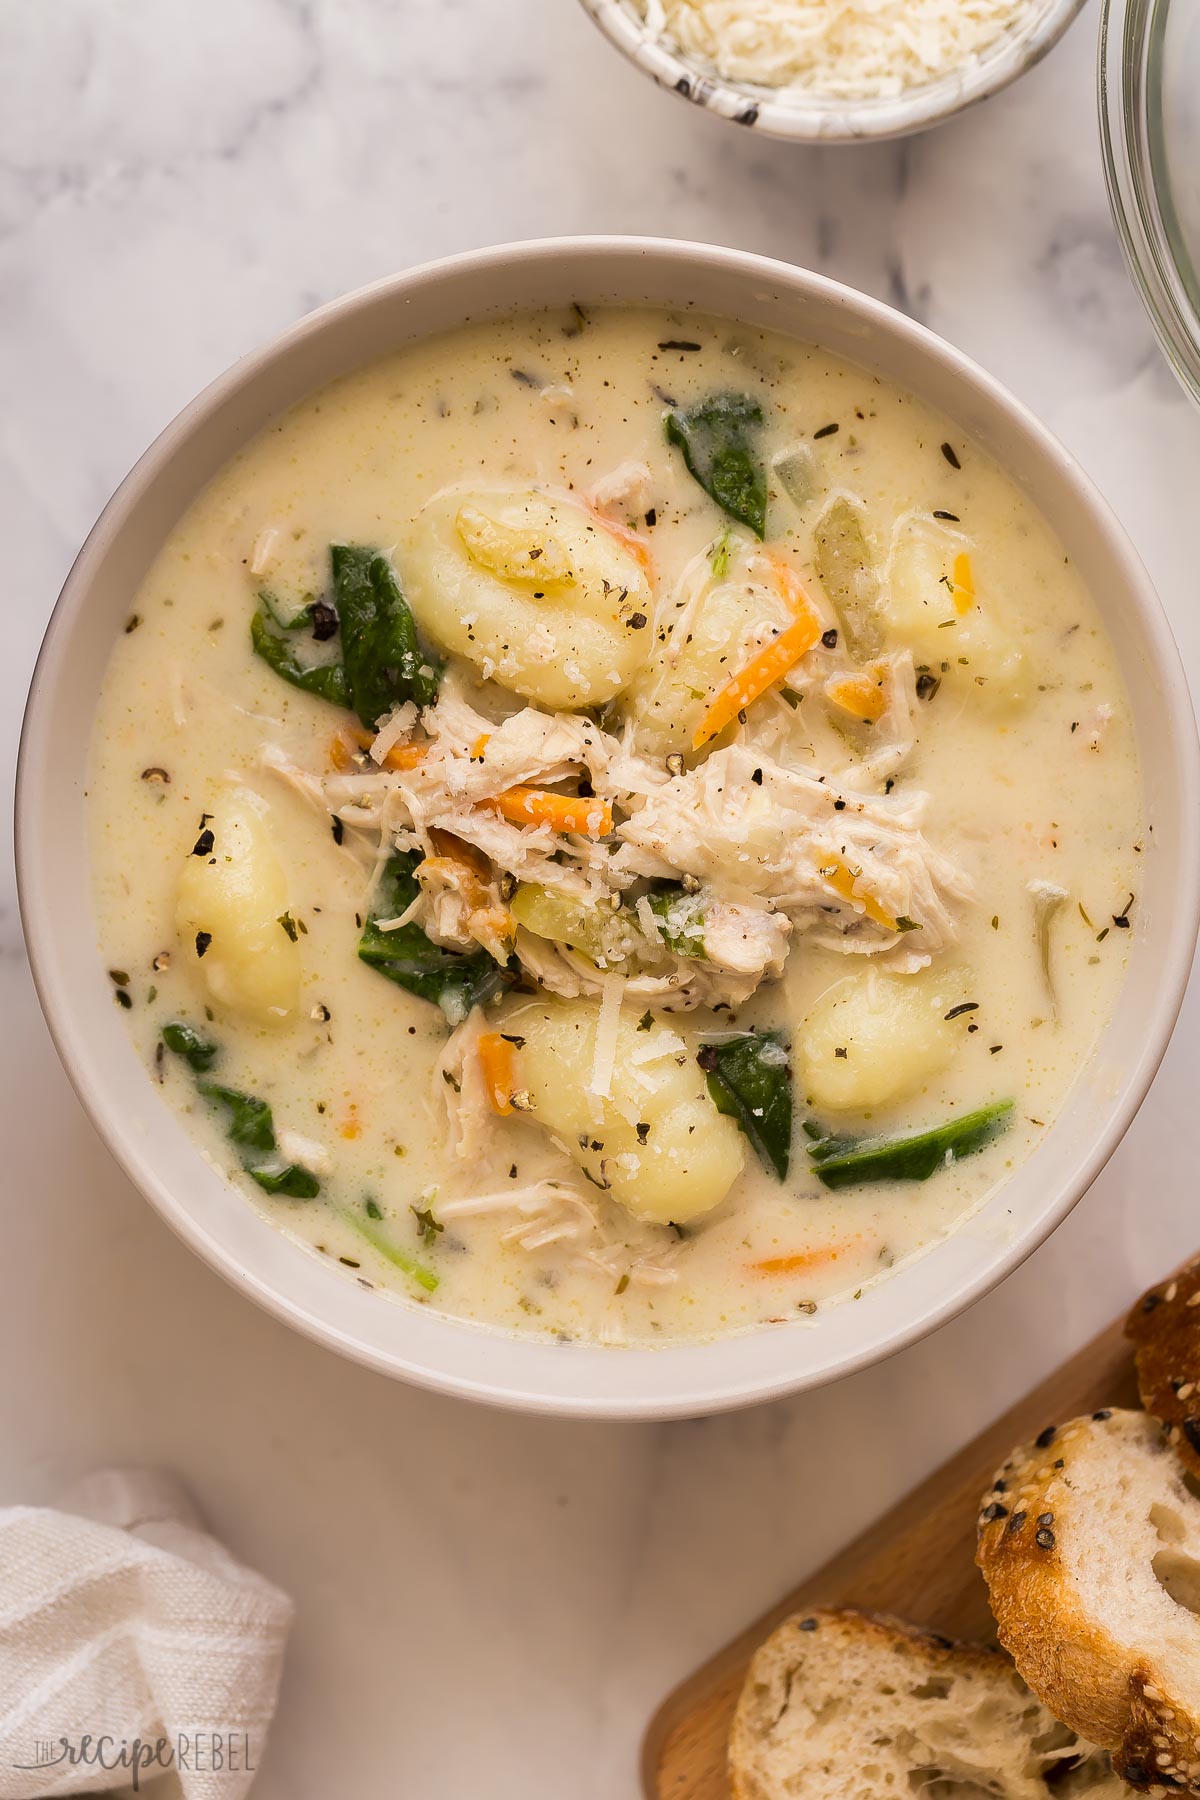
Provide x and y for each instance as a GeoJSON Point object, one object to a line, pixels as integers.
{"type": "Point", "coordinates": [808, 119]}
{"type": "Point", "coordinates": [82, 1065]}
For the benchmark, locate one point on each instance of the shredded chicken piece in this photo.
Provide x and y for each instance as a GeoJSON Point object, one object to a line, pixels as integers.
{"type": "Point", "coordinates": [746, 939]}
{"type": "Point", "coordinates": [535, 1198]}
{"type": "Point", "coordinates": [746, 825]}
{"type": "Point", "coordinates": [653, 1269]}
{"type": "Point", "coordinates": [548, 1212]}
{"type": "Point", "coordinates": [764, 849]}
{"type": "Point", "coordinates": [460, 901]}
{"type": "Point", "coordinates": [691, 589]}
{"type": "Point", "coordinates": [458, 1087]}
{"type": "Point", "coordinates": [552, 1211]}
{"type": "Point", "coordinates": [895, 732]}
{"type": "Point", "coordinates": [625, 489]}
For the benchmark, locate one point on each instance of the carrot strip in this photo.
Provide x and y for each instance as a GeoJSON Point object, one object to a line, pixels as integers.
{"type": "Point", "coordinates": [763, 670]}
{"type": "Point", "coordinates": [962, 583]}
{"type": "Point", "coordinates": [342, 746]}
{"type": "Point", "coordinates": [862, 695]}
{"type": "Point", "coordinates": [841, 880]}
{"type": "Point", "coordinates": [406, 756]}
{"type": "Point", "coordinates": [562, 812]}
{"type": "Point", "coordinates": [496, 1064]}
{"type": "Point", "coordinates": [480, 745]}
{"type": "Point", "coordinates": [802, 1260]}
{"type": "Point", "coordinates": [789, 585]}
{"type": "Point", "coordinates": [350, 738]}
{"type": "Point", "coordinates": [629, 540]}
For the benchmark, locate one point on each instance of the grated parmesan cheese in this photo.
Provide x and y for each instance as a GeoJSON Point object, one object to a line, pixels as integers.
{"type": "Point", "coordinates": [660, 1044]}
{"type": "Point", "coordinates": [840, 49]}
{"type": "Point", "coordinates": [397, 725]}
{"type": "Point", "coordinates": [263, 551]}
{"type": "Point", "coordinates": [607, 1025]}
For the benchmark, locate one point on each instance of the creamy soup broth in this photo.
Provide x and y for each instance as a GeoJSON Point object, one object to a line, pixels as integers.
{"type": "Point", "coordinates": [1024, 749]}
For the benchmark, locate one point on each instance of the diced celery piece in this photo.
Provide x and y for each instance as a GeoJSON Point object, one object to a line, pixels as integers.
{"type": "Point", "coordinates": [796, 472]}
{"type": "Point", "coordinates": [846, 567]}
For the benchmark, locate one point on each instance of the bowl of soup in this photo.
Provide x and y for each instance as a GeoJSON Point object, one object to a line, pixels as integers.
{"type": "Point", "coordinates": [609, 826]}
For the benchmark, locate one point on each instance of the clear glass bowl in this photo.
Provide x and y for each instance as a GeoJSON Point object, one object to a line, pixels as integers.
{"type": "Point", "coordinates": [1150, 127]}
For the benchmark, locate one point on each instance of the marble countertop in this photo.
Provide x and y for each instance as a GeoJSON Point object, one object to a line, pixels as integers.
{"type": "Point", "coordinates": [489, 1604]}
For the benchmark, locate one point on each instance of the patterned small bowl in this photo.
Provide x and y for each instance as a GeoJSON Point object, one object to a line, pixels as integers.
{"type": "Point", "coordinates": [808, 118]}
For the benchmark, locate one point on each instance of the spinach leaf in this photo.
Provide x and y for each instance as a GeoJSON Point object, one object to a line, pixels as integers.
{"type": "Point", "coordinates": [295, 1181]}
{"type": "Point", "coordinates": [843, 1162]}
{"type": "Point", "coordinates": [719, 438]}
{"type": "Point", "coordinates": [365, 1224]}
{"type": "Point", "coordinates": [825, 1143]}
{"type": "Point", "coordinates": [249, 1122]}
{"type": "Point", "coordinates": [268, 639]}
{"type": "Point", "coordinates": [750, 1079]}
{"type": "Point", "coordinates": [451, 979]}
{"type": "Point", "coordinates": [280, 616]}
{"type": "Point", "coordinates": [197, 1052]}
{"type": "Point", "coordinates": [680, 920]}
{"type": "Point", "coordinates": [251, 1128]}
{"type": "Point", "coordinates": [384, 663]}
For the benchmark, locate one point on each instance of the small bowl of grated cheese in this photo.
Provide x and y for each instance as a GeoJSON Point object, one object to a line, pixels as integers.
{"type": "Point", "coordinates": [834, 70]}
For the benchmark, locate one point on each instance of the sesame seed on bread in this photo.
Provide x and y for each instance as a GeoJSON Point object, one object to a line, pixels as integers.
{"type": "Point", "coordinates": [1164, 1327]}
{"type": "Point", "coordinates": [1089, 1540]}
{"type": "Point", "coordinates": [843, 1702]}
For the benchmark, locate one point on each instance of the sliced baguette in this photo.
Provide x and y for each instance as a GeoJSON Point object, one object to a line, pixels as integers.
{"type": "Point", "coordinates": [845, 1703]}
{"type": "Point", "coordinates": [1084, 1539]}
{"type": "Point", "coordinates": [1165, 1329]}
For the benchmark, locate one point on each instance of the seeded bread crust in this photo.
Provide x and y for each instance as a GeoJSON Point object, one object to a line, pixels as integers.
{"type": "Point", "coordinates": [1164, 1327]}
{"type": "Point", "coordinates": [1076, 1666]}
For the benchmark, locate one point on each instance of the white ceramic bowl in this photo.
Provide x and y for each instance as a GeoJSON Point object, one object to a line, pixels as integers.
{"type": "Point", "coordinates": [213, 1216]}
{"type": "Point", "coordinates": [809, 118]}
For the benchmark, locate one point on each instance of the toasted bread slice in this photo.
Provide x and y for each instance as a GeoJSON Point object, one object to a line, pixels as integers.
{"type": "Point", "coordinates": [1090, 1544]}
{"type": "Point", "coordinates": [1165, 1329]}
{"type": "Point", "coordinates": [840, 1703]}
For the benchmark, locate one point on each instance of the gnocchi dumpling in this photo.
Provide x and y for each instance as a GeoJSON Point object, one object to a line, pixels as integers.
{"type": "Point", "coordinates": [536, 591]}
{"type": "Point", "coordinates": [712, 640]}
{"type": "Point", "coordinates": [944, 624]}
{"type": "Point", "coordinates": [656, 1142]}
{"type": "Point", "coordinates": [872, 1038]}
{"type": "Point", "coordinates": [232, 913]}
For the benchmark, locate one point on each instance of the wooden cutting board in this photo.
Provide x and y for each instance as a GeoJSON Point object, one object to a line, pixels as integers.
{"type": "Point", "coordinates": [918, 1562]}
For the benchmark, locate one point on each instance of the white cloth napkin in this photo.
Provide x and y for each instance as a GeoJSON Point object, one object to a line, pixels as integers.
{"type": "Point", "coordinates": [122, 1620]}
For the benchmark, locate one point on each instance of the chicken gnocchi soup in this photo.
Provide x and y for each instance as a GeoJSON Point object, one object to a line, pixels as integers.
{"type": "Point", "coordinates": [614, 826]}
